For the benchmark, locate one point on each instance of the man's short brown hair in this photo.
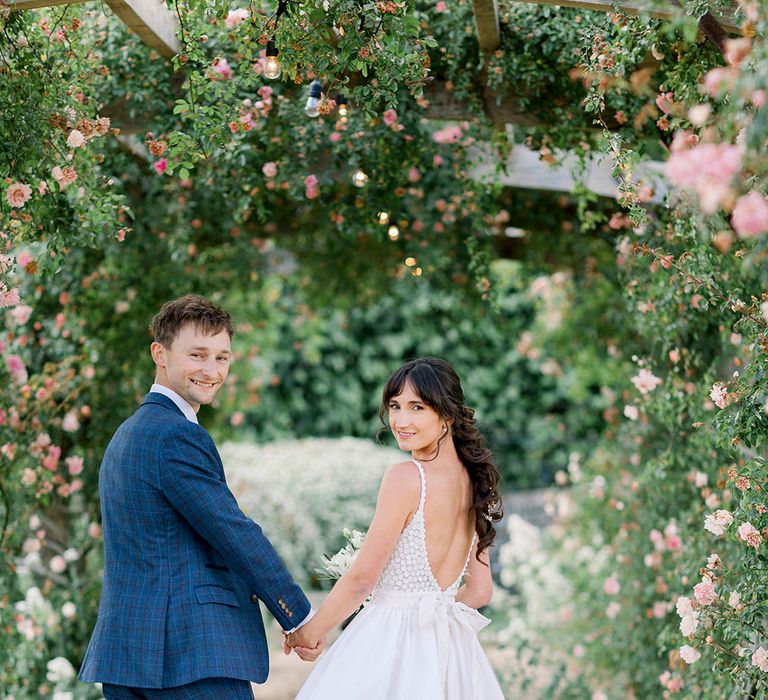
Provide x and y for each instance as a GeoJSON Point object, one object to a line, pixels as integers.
{"type": "Point", "coordinates": [192, 308]}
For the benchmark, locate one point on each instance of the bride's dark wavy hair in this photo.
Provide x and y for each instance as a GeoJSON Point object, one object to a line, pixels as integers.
{"type": "Point", "coordinates": [437, 385]}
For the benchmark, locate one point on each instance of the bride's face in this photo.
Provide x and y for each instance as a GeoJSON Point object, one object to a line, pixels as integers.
{"type": "Point", "coordinates": [415, 425]}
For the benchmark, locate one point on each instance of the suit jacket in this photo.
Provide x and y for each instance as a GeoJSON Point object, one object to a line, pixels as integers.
{"type": "Point", "coordinates": [184, 568]}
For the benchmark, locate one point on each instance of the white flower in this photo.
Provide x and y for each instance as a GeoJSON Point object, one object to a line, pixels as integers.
{"type": "Point", "coordinates": [734, 599]}
{"type": "Point", "coordinates": [689, 624]}
{"type": "Point", "coordinates": [63, 695]}
{"type": "Point", "coordinates": [631, 412]}
{"type": "Point", "coordinates": [684, 606]}
{"type": "Point", "coordinates": [689, 654]}
{"type": "Point", "coordinates": [70, 555]}
{"type": "Point", "coordinates": [760, 659]}
{"type": "Point", "coordinates": [57, 564]}
{"type": "Point", "coordinates": [60, 670]}
{"type": "Point", "coordinates": [717, 522]}
{"type": "Point", "coordinates": [719, 394]}
{"type": "Point", "coordinates": [69, 610]}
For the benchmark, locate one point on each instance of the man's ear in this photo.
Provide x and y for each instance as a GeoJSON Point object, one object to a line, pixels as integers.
{"type": "Point", "coordinates": [157, 351]}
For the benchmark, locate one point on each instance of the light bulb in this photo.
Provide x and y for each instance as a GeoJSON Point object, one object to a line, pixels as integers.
{"type": "Point", "coordinates": [410, 262]}
{"type": "Point", "coordinates": [272, 66]}
{"type": "Point", "coordinates": [417, 272]}
{"type": "Point", "coordinates": [341, 102]}
{"type": "Point", "coordinates": [383, 217]}
{"type": "Point", "coordinates": [311, 109]}
{"type": "Point", "coordinates": [359, 178]}
{"type": "Point", "coordinates": [393, 232]}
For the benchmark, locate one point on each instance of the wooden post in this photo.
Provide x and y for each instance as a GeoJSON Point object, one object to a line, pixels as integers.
{"type": "Point", "coordinates": [487, 21]}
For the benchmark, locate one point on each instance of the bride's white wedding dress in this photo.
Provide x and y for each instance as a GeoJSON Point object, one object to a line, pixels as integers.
{"type": "Point", "coordinates": [412, 640]}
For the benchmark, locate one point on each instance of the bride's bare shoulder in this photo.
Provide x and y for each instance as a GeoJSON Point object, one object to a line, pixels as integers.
{"type": "Point", "coordinates": [403, 475]}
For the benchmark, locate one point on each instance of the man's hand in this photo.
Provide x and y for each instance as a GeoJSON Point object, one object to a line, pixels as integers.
{"type": "Point", "coordinates": [306, 648]}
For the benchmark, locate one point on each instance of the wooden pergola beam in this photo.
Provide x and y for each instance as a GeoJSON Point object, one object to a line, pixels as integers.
{"type": "Point", "coordinates": [151, 20]}
{"type": "Point", "coordinates": [487, 21]}
{"type": "Point", "coordinates": [636, 7]}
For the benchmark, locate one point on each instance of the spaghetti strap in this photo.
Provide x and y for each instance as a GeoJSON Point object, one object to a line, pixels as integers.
{"type": "Point", "coordinates": [423, 476]}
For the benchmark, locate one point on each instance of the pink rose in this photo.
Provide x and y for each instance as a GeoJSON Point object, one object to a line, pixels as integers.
{"type": "Point", "coordinates": [18, 194]}
{"type": "Point", "coordinates": [705, 592]}
{"type": "Point", "coordinates": [719, 79]}
{"type": "Point", "coordinates": [750, 215]}
{"type": "Point", "coordinates": [414, 175]}
{"type": "Point", "coordinates": [234, 17]}
{"type": "Point", "coordinates": [160, 166]}
{"type": "Point", "coordinates": [269, 169]}
{"type": "Point", "coordinates": [760, 659]}
{"type": "Point", "coordinates": [736, 50]}
{"type": "Point", "coordinates": [440, 6]}
{"type": "Point", "coordinates": [719, 394]}
{"type": "Point", "coordinates": [689, 654]}
{"type": "Point", "coordinates": [21, 314]}
{"type": "Point", "coordinates": [74, 464]}
{"type": "Point", "coordinates": [222, 69]}
{"type": "Point", "coordinates": [750, 535]}
{"type": "Point", "coordinates": [390, 117]}
{"type": "Point", "coordinates": [310, 181]}
{"type": "Point", "coordinates": [16, 368]}
{"type": "Point", "coordinates": [449, 134]}
{"type": "Point", "coordinates": [75, 139]}
{"type": "Point", "coordinates": [645, 381]}
{"type": "Point", "coordinates": [611, 585]}
{"type": "Point", "coordinates": [665, 102]}
{"type": "Point", "coordinates": [8, 297]}
{"type": "Point", "coordinates": [335, 137]}
{"type": "Point", "coordinates": [70, 423]}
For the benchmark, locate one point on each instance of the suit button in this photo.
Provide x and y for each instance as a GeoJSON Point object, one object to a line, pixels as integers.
{"type": "Point", "coordinates": [280, 600]}
{"type": "Point", "coordinates": [290, 614]}
{"type": "Point", "coordinates": [254, 598]}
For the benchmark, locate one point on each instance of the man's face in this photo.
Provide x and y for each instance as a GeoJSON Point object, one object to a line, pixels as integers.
{"type": "Point", "coordinates": [195, 365]}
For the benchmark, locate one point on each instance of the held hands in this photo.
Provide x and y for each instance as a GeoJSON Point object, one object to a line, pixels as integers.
{"type": "Point", "coordinates": [304, 644]}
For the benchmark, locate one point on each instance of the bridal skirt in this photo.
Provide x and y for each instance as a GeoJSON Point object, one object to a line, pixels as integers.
{"type": "Point", "coordinates": [407, 646]}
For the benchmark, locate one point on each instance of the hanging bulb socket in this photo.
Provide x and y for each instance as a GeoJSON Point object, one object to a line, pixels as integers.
{"type": "Point", "coordinates": [312, 108]}
{"type": "Point", "coordinates": [272, 67]}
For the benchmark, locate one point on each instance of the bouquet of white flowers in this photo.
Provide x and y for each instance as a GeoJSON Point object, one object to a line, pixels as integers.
{"type": "Point", "coordinates": [337, 565]}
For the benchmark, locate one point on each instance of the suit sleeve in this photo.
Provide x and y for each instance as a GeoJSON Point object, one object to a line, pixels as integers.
{"type": "Point", "coordinates": [189, 476]}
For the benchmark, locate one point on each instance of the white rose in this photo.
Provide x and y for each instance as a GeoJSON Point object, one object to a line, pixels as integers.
{"type": "Point", "coordinates": [60, 670]}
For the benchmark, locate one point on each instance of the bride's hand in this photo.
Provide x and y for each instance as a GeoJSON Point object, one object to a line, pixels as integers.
{"type": "Point", "coordinates": [306, 648]}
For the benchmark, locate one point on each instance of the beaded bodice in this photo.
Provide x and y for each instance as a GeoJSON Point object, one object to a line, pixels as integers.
{"type": "Point", "coordinates": [408, 569]}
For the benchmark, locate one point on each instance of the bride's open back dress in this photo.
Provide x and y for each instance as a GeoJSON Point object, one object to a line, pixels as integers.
{"type": "Point", "coordinates": [411, 640]}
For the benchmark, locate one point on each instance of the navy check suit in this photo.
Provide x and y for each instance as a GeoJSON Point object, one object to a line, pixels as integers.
{"type": "Point", "coordinates": [184, 568]}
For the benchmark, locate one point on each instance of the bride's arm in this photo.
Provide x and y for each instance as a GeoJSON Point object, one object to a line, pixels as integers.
{"type": "Point", "coordinates": [478, 584]}
{"type": "Point", "coordinates": [398, 499]}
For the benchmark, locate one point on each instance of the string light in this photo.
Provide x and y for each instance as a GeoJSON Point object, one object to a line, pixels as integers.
{"type": "Point", "coordinates": [359, 178]}
{"type": "Point", "coordinates": [341, 102]}
{"type": "Point", "coordinates": [393, 232]}
{"type": "Point", "coordinates": [311, 109]}
{"type": "Point", "coordinates": [272, 67]}
{"type": "Point", "coordinates": [417, 272]}
{"type": "Point", "coordinates": [383, 217]}
{"type": "Point", "coordinates": [410, 262]}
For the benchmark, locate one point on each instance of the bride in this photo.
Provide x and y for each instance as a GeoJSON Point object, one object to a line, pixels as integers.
{"type": "Point", "coordinates": [424, 561]}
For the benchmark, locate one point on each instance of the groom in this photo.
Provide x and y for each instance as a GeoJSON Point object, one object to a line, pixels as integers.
{"type": "Point", "coordinates": [184, 569]}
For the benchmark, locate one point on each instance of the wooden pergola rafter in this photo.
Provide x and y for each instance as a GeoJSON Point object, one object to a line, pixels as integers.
{"type": "Point", "coordinates": [151, 20]}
